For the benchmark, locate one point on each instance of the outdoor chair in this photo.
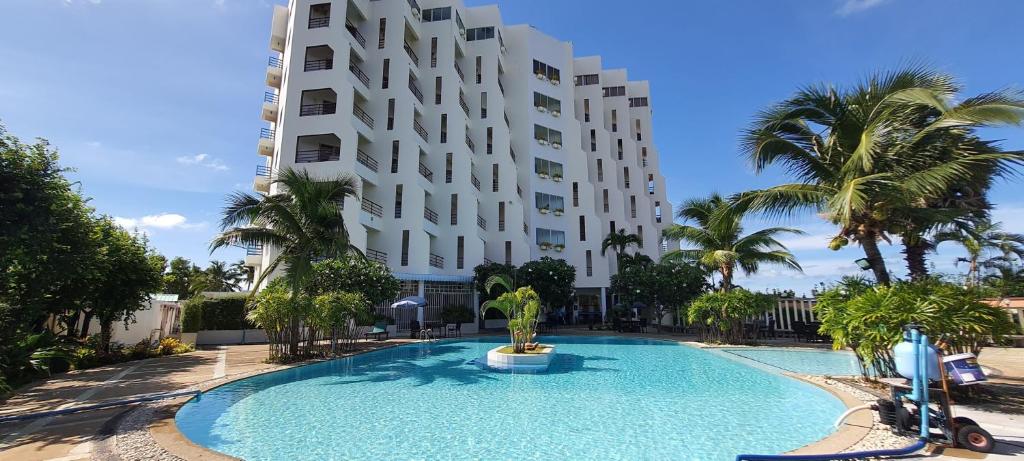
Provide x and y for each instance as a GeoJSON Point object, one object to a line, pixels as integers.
{"type": "Point", "coordinates": [642, 325]}
{"type": "Point", "coordinates": [454, 329]}
{"type": "Point", "coordinates": [379, 329]}
{"type": "Point", "coordinates": [801, 331]}
{"type": "Point", "coordinates": [414, 329]}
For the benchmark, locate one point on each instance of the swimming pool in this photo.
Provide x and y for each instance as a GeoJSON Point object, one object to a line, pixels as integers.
{"type": "Point", "coordinates": [603, 398]}
{"type": "Point", "coordinates": [803, 361]}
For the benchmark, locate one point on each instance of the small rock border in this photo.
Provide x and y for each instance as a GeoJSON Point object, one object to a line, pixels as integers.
{"type": "Point", "coordinates": [880, 437]}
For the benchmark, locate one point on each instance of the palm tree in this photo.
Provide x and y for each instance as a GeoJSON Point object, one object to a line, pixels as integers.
{"type": "Point", "coordinates": [223, 278]}
{"type": "Point", "coordinates": [521, 307]}
{"type": "Point", "coordinates": [863, 155]}
{"type": "Point", "coordinates": [984, 237]}
{"type": "Point", "coordinates": [720, 243]}
{"type": "Point", "coordinates": [303, 222]}
{"type": "Point", "coordinates": [246, 273]}
{"type": "Point", "coordinates": [619, 241]}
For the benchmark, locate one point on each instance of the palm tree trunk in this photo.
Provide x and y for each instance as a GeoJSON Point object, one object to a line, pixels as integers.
{"type": "Point", "coordinates": [726, 279]}
{"type": "Point", "coordinates": [972, 273]}
{"type": "Point", "coordinates": [914, 250]}
{"type": "Point", "coordinates": [869, 241]}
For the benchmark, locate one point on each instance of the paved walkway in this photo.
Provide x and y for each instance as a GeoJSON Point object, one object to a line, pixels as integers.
{"type": "Point", "coordinates": [70, 437]}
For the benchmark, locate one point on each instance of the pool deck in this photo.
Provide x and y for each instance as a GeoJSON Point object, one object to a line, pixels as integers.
{"type": "Point", "coordinates": [89, 435]}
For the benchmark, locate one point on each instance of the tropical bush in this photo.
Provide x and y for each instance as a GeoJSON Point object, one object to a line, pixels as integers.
{"type": "Point", "coordinates": [353, 275]}
{"type": "Point", "coordinates": [170, 346]}
{"type": "Point", "coordinates": [338, 315]}
{"type": "Point", "coordinates": [226, 313]}
{"type": "Point", "coordinates": [278, 311]}
{"type": "Point", "coordinates": [664, 287]}
{"type": "Point", "coordinates": [719, 316]}
{"type": "Point", "coordinates": [456, 313]}
{"type": "Point", "coordinates": [870, 319]}
{"type": "Point", "coordinates": [521, 307]}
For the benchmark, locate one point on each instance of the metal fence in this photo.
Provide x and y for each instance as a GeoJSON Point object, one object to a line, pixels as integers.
{"type": "Point", "coordinates": [438, 295]}
{"type": "Point", "coordinates": [791, 310]}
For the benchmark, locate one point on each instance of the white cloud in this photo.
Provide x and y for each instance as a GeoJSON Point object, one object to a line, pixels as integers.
{"type": "Point", "coordinates": [163, 221]}
{"type": "Point", "coordinates": [203, 160]}
{"type": "Point", "coordinates": [856, 6]}
{"type": "Point", "coordinates": [816, 241]}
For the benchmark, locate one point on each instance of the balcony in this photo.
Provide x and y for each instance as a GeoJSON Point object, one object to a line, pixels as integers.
{"type": "Point", "coordinates": [475, 181]}
{"type": "Point", "coordinates": [362, 115]}
{"type": "Point", "coordinates": [376, 256]}
{"type": "Point", "coordinates": [481, 222]}
{"type": "Point", "coordinates": [371, 214]}
{"type": "Point", "coordinates": [458, 70]}
{"type": "Point", "coordinates": [254, 255]}
{"type": "Point", "coordinates": [321, 108]}
{"type": "Point", "coordinates": [412, 55]}
{"type": "Point", "coordinates": [318, 64]}
{"type": "Point", "coordinates": [430, 215]}
{"type": "Point", "coordinates": [316, 23]}
{"type": "Point", "coordinates": [270, 107]}
{"type": "Point", "coordinates": [463, 104]}
{"type": "Point", "coordinates": [415, 90]}
{"type": "Point", "coordinates": [420, 130]}
{"type": "Point", "coordinates": [262, 181]}
{"type": "Point", "coordinates": [469, 143]}
{"type": "Point", "coordinates": [274, 69]}
{"type": "Point", "coordinates": [320, 154]}
{"type": "Point", "coordinates": [351, 28]}
{"type": "Point", "coordinates": [354, 68]}
{"type": "Point", "coordinates": [426, 173]}
{"type": "Point", "coordinates": [501, 87]}
{"type": "Point", "coordinates": [372, 207]}
{"type": "Point", "coordinates": [266, 144]}
{"type": "Point", "coordinates": [364, 159]}
{"type": "Point", "coordinates": [436, 261]}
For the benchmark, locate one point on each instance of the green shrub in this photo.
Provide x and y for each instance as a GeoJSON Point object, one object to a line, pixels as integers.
{"type": "Point", "coordinates": [456, 313]}
{"type": "Point", "coordinates": [719, 315]}
{"type": "Point", "coordinates": [227, 313]}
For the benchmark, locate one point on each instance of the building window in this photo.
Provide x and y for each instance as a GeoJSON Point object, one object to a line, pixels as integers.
{"type": "Point", "coordinates": [632, 206]}
{"type": "Point", "coordinates": [575, 194]}
{"type": "Point", "coordinates": [650, 184]}
{"type": "Point", "coordinates": [611, 227]}
{"type": "Point", "coordinates": [490, 140]}
{"type": "Point", "coordinates": [615, 121]}
{"type": "Point", "coordinates": [479, 33]}
{"type": "Point", "coordinates": [460, 252]}
{"type": "Point", "coordinates": [437, 90]}
{"type": "Point", "coordinates": [319, 15]}
{"type": "Point", "coordinates": [610, 91]}
{"type": "Point", "coordinates": [483, 104]}
{"type": "Point", "coordinates": [657, 212]}
{"type": "Point", "coordinates": [508, 252]}
{"type": "Point", "coordinates": [547, 167]}
{"type": "Point", "coordinates": [638, 136]}
{"type": "Point", "coordinates": [455, 210]}
{"type": "Point", "coordinates": [479, 69]}
{"type": "Point", "coordinates": [588, 79]}
{"type": "Point", "coordinates": [433, 51]}
{"type": "Point", "coordinates": [391, 113]}
{"type": "Point", "coordinates": [380, 32]}
{"type": "Point", "coordinates": [448, 168]}
{"type": "Point", "coordinates": [436, 14]}
{"type": "Point", "coordinates": [501, 216]}
{"type": "Point", "coordinates": [586, 110]}
{"type": "Point", "coordinates": [550, 237]}
{"type": "Point", "coordinates": [583, 228]}
{"type": "Point", "coordinates": [593, 140]}
{"type": "Point", "coordinates": [405, 247]}
{"type": "Point", "coordinates": [547, 135]}
{"type": "Point", "coordinates": [640, 234]}
{"type": "Point", "coordinates": [590, 264]}
{"type": "Point", "coordinates": [638, 102]}
{"type": "Point", "coordinates": [494, 177]}
{"type": "Point", "coordinates": [394, 156]}
{"type": "Point", "coordinates": [625, 176]}
{"type": "Point", "coordinates": [600, 170]}
{"type": "Point", "coordinates": [384, 79]}
{"type": "Point", "coordinates": [398, 201]}
{"type": "Point", "coordinates": [549, 203]}
{"type": "Point", "coordinates": [546, 103]}
{"type": "Point", "coordinates": [605, 196]}
{"type": "Point", "coordinates": [444, 128]}
{"type": "Point", "coordinates": [619, 146]}
{"type": "Point", "coordinates": [546, 71]}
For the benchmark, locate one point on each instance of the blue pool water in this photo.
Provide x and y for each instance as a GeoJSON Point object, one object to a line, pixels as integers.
{"type": "Point", "coordinates": [803, 361]}
{"type": "Point", "coordinates": [603, 398]}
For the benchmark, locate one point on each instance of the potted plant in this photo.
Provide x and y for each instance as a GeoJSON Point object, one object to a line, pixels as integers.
{"type": "Point", "coordinates": [554, 81]}
{"type": "Point", "coordinates": [557, 177]}
{"type": "Point", "coordinates": [555, 113]}
{"type": "Point", "coordinates": [544, 210]}
{"type": "Point", "coordinates": [542, 142]}
{"type": "Point", "coordinates": [542, 109]}
{"type": "Point", "coordinates": [545, 246]}
{"type": "Point", "coordinates": [559, 247]}
{"type": "Point", "coordinates": [559, 211]}
{"type": "Point", "coordinates": [543, 175]}
{"type": "Point", "coordinates": [540, 76]}
{"type": "Point", "coordinates": [556, 145]}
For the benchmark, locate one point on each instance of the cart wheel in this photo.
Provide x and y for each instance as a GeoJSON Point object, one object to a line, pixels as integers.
{"type": "Point", "coordinates": [975, 438]}
{"type": "Point", "coordinates": [962, 421]}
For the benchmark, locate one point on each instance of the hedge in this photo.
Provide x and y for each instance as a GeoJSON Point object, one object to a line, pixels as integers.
{"type": "Point", "coordinates": [227, 313]}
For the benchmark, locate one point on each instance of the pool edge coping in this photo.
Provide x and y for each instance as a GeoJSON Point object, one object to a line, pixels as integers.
{"type": "Point", "coordinates": [165, 433]}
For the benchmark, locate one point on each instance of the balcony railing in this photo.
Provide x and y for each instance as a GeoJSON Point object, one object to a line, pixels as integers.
{"type": "Point", "coordinates": [324, 108]}
{"type": "Point", "coordinates": [254, 250]}
{"type": "Point", "coordinates": [323, 154]}
{"type": "Point", "coordinates": [275, 61]}
{"type": "Point", "coordinates": [415, 91]}
{"type": "Point", "coordinates": [318, 64]}
{"type": "Point", "coordinates": [481, 222]}
{"type": "Point", "coordinates": [458, 70]}
{"type": "Point", "coordinates": [430, 215]}
{"type": "Point", "coordinates": [463, 104]}
{"type": "Point", "coordinates": [270, 97]}
{"type": "Point", "coordinates": [507, 124]}
{"type": "Point", "coordinates": [355, 34]}
{"type": "Point", "coordinates": [426, 173]}
{"type": "Point", "coordinates": [362, 115]}
{"type": "Point", "coordinates": [376, 256]}
{"type": "Point", "coordinates": [263, 170]}
{"type": "Point", "coordinates": [266, 133]}
{"type": "Point", "coordinates": [519, 190]}
{"type": "Point", "coordinates": [501, 87]}
{"type": "Point", "coordinates": [411, 53]}
{"type": "Point", "coordinates": [354, 68]}
{"type": "Point", "coordinates": [475, 181]}
{"type": "Point", "coordinates": [364, 159]}
{"type": "Point", "coordinates": [372, 207]}
{"type": "Point", "coordinates": [469, 142]}
{"type": "Point", "coordinates": [316, 23]}
{"type": "Point", "coordinates": [420, 130]}
{"type": "Point", "coordinates": [436, 261]}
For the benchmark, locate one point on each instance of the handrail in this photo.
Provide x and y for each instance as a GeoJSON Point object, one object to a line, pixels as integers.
{"type": "Point", "coordinates": [275, 62]}
{"type": "Point", "coordinates": [98, 406]}
{"type": "Point", "coordinates": [262, 170]}
{"type": "Point", "coordinates": [355, 34]}
{"type": "Point", "coordinates": [322, 154]}
{"type": "Point", "coordinates": [430, 215]}
{"type": "Point", "coordinates": [458, 70]}
{"type": "Point", "coordinates": [469, 143]}
{"type": "Point", "coordinates": [372, 207]}
{"type": "Point", "coordinates": [362, 115]}
{"type": "Point", "coordinates": [270, 97]}
{"type": "Point", "coordinates": [318, 64]}
{"type": "Point", "coordinates": [415, 90]}
{"type": "Point", "coordinates": [315, 23]}
{"type": "Point", "coordinates": [354, 68]}
{"type": "Point", "coordinates": [367, 161]}
{"type": "Point", "coordinates": [481, 222]}
{"type": "Point", "coordinates": [420, 130]}
{"type": "Point", "coordinates": [377, 256]}
{"type": "Point", "coordinates": [266, 133]}
{"type": "Point", "coordinates": [411, 53]}
{"type": "Point", "coordinates": [426, 173]}
{"type": "Point", "coordinates": [324, 108]}
{"type": "Point", "coordinates": [436, 261]}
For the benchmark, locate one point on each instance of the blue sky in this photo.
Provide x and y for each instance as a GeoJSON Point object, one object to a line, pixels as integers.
{"type": "Point", "coordinates": [156, 103]}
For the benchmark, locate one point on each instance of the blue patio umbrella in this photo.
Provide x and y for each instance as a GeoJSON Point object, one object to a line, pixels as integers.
{"type": "Point", "coordinates": [412, 302]}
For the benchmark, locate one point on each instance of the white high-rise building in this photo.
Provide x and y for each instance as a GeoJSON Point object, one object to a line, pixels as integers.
{"type": "Point", "coordinates": [474, 141]}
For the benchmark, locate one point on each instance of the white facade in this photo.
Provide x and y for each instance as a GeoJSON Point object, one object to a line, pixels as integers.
{"type": "Point", "coordinates": [470, 138]}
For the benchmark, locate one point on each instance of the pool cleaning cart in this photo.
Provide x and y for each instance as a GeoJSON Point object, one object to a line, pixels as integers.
{"type": "Point", "coordinates": [955, 370]}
